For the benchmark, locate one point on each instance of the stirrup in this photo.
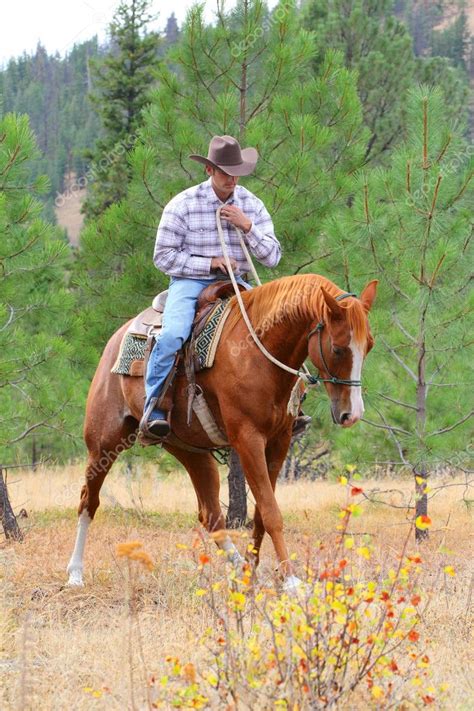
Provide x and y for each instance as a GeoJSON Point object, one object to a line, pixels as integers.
{"type": "Point", "coordinates": [145, 435]}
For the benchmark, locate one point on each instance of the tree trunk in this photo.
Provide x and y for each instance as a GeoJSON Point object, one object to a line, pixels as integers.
{"type": "Point", "coordinates": [237, 513]}
{"type": "Point", "coordinates": [9, 522]}
{"type": "Point", "coordinates": [421, 471]}
{"type": "Point", "coordinates": [421, 506]}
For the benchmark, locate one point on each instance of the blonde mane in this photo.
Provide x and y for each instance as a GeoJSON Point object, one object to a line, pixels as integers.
{"type": "Point", "coordinates": [296, 298]}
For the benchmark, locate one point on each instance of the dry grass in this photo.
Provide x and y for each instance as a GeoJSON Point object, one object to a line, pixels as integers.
{"type": "Point", "coordinates": [68, 649]}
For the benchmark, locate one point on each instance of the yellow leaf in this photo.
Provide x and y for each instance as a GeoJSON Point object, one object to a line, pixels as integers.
{"type": "Point", "coordinates": [200, 592]}
{"type": "Point", "coordinates": [423, 522]}
{"type": "Point", "coordinates": [343, 480]}
{"type": "Point", "coordinates": [449, 570]}
{"type": "Point", "coordinates": [238, 599]}
{"type": "Point", "coordinates": [377, 692]}
{"type": "Point", "coordinates": [349, 543]}
{"type": "Point", "coordinates": [364, 552]}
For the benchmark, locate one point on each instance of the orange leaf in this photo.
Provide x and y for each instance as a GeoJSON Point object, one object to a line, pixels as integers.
{"type": "Point", "coordinates": [413, 636]}
{"type": "Point", "coordinates": [423, 522]}
{"type": "Point", "coordinates": [203, 559]}
{"type": "Point", "coordinates": [189, 672]}
{"type": "Point", "coordinates": [416, 599]}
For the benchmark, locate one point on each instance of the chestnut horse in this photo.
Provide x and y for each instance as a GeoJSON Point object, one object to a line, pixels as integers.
{"type": "Point", "coordinates": [294, 317]}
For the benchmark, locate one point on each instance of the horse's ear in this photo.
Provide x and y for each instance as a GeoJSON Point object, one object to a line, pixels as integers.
{"type": "Point", "coordinates": [337, 312]}
{"type": "Point", "coordinates": [368, 294]}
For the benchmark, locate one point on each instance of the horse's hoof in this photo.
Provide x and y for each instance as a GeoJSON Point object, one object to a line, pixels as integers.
{"type": "Point", "coordinates": [75, 579]}
{"type": "Point", "coordinates": [235, 559]}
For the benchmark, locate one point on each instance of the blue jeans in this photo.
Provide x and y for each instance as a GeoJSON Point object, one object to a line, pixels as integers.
{"type": "Point", "coordinates": [178, 317]}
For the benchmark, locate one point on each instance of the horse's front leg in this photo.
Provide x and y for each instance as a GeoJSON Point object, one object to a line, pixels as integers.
{"type": "Point", "coordinates": [251, 448]}
{"type": "Point", "coordinates": [275, 453]}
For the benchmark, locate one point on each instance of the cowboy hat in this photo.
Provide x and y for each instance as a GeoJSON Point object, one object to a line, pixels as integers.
{"type": "Point", "coordinates": [226, 154]}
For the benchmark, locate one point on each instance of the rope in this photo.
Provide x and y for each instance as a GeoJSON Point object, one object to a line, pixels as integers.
{"type": "Point", "coordinates": [303, 375]}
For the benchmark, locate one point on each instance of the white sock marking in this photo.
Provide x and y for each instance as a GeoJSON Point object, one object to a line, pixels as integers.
{"type": "Point", "coordinates": [75, 566]}
{"type": "Point", "coordinates": [232, 552]}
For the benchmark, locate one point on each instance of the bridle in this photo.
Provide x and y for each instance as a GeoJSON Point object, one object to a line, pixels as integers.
{"type": "Point", "coordinates": [313, 379]}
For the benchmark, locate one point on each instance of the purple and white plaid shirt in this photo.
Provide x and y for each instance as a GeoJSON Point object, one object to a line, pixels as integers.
{"type": "Point", "coordinates": [187, 237]}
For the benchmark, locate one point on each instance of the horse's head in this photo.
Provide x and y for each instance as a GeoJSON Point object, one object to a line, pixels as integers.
{"type": "Point", "coordinates": [338, 344]}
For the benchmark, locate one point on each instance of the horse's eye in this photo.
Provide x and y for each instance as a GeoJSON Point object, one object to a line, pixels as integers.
{"type": "Point", "coordinates": [337, 350]}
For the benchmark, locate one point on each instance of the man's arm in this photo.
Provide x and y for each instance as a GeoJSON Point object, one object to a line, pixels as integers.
{"type": "Point", "coordinates": [170, 256]}
{"type": "Point", "coordinates": [259, 234]}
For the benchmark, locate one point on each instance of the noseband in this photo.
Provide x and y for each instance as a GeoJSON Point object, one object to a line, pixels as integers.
{"type": "Point", "coordinates": [313, 379]}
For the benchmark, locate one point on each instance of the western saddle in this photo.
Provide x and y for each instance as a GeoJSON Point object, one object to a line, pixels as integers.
{"type": "Point", "coordinates": [150, 320]}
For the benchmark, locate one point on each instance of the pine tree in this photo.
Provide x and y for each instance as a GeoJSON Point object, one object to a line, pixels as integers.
{"type": "Point", "coordinates": [453, 41]}
{"type": "Point", "coordinates": [248, 76]}
{"type": "Point", "coordinates": [38, 388]}
{"type": "Point", "coordinates": [52, 91]}
{"type": "Point", "coordinates": [171, 30]}
{"type": "Point", "coordinates": [254, 85]}
{"type": "Point", "coordinates": [121, 84]}
{"type": "Point", "coordinates": [410, 226]}
{"type": "Point", "coordinates": [379, 47]}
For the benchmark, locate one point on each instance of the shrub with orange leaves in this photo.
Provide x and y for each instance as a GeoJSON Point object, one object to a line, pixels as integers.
{"type": "Point", "coordinates": [353, 626]}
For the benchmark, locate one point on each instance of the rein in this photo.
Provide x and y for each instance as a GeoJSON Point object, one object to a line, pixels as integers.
{"type": "Point", "coordinates": [302, 374]}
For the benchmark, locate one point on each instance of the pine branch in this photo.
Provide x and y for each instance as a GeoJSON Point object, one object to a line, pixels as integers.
{"type": "Point", "coordinates": [393, 436]}
{"type": "Point", "coordinates": [10, 318]}
{"type": "Point", "coordinates": [398, 402]}
{"type": "Point", "coordinates": [461, 191]}
{"type": "Point", "coordinates": [391, 428]}
{"type": "Point", "coordinates": [43, 423]}
{"type": "Point", "coordinates": [399, 360]}
{"type": "Point", "coordinates": [402, 328]}
{"type": "Point", "coordinates": [451, 427]}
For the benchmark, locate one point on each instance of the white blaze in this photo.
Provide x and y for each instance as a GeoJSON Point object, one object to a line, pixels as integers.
{"type": "Point", "coordinates": [357, 404]}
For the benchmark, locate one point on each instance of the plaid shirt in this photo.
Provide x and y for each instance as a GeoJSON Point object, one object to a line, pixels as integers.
{"type": "Point", "coordinates": [187, 236]}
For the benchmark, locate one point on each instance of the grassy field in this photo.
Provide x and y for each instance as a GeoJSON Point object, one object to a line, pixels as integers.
{"type": "Point", "coordinates": [70, 648]}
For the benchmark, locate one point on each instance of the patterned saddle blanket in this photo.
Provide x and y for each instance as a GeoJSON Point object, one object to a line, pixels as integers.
{"type": "Point", "coordinates": [132, 349]}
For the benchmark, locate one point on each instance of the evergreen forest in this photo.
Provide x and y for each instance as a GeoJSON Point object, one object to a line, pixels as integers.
{"type": "Point", "coordinates": [361, 111]}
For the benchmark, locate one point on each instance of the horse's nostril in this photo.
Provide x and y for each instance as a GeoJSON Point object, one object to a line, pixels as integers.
{"type": "Point", "coordinates": [344, 417]}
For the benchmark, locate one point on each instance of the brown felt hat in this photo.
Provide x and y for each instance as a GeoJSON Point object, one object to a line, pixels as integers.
{"type": "Point", "coordinates": [226, 154]}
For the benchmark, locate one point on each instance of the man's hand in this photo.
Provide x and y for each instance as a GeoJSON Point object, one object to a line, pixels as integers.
{"type": "Point", "coordinates": [235, 216]}
{"type": "Point", "coordinates": [218, 263]}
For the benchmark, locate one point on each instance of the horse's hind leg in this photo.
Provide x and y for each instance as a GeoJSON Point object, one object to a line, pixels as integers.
{"type": "Point", "coordinates": [103, 451]}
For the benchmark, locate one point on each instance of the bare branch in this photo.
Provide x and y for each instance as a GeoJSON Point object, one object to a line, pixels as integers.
{"type": "Point", "coordinates": [402, 328]}
{"type": "Point", "coordinates": [451, 427]}
{"type": "Point", "coordinates": [399, 360]}
{"type": "Point", "coordinates": [386, 427]}
{"type": "Point", "coordinates": [398, 402]}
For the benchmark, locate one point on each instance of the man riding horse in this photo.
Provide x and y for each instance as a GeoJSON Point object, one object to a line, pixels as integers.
{"type": "Point", "coordinates": [188, 250]}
